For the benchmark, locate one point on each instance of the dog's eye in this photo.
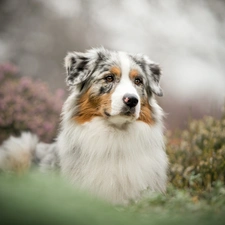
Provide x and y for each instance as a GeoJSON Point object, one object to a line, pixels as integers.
{"type": "Point", "coordinates": [109, 78]}
{"type": "Point", "coordinates": [138, 81]}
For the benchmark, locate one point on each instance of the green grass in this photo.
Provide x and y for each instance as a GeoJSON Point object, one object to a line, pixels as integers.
{"type": "Point", "coordinates": [36, 198]}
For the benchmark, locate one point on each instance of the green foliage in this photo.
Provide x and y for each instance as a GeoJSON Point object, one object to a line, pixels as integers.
{"type": "Point", "coordinates": [197, 155]}
{"type": "Point", "coordinates": [182, 201]}
{"type": "Point", "coordinates": [36, 198]}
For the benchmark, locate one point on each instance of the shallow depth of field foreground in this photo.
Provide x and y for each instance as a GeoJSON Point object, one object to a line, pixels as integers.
{"type": "Point", "coordinates": [35, 198]}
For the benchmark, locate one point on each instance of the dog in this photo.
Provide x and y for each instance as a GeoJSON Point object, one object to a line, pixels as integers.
{"type": "Point", "coordinates": [110, 140]}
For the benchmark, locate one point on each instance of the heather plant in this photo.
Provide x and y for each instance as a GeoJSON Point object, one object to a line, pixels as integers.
{"type": "Point", "coordinates": [8, 71]}
{"type": "Point", "coordinates": [27, 105]}
{"type": "Point", "coordinates": [197, 155]}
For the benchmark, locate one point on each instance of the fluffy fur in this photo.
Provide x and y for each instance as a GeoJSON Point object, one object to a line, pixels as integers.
{"type": "Point", "coordinates": [111, 137]}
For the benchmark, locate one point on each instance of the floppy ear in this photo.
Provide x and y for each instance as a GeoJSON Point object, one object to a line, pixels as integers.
{"type": "Point", "coordinates": [154, 77]}
{"type": "Point", "coordinates": [77, 68]}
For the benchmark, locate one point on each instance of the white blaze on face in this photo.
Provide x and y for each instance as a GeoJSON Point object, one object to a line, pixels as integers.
{"type": "Point", "coordinates": [125, 86]}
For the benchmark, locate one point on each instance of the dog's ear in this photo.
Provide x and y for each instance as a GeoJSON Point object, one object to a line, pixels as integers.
{"type": "Point", "coordinates": [77, 67]}
{"type": "Point", "coordinates": [80, 66]}
{"type": "Point", "coordinates": [154, 77]}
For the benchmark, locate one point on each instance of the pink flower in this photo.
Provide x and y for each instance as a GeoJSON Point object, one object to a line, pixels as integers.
{"type": "Point", "coordinates": [26, 104]}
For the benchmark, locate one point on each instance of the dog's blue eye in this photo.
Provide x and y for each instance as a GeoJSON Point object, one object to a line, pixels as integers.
{"type": "Point", "coordinates": [138, 81]}
{"type": "Point", "coordinates": [109, 78]}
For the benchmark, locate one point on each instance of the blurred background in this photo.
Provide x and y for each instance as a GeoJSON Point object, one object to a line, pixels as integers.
{"type": "Point", "coordinates": [185, 37]}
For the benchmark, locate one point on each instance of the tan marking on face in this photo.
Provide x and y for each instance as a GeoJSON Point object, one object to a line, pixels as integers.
{"type": "Point", "coordinates": [133, 73]}
{"type": "Point", "coordinates": [146, 112]}
{"type": "Point", "coordinates": [90, 106]}
{"type": "Point", "coordinates": [116, 71]}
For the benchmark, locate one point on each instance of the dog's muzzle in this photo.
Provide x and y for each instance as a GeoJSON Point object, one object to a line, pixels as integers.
{"type": "Point", "coordinates": [125, 109]}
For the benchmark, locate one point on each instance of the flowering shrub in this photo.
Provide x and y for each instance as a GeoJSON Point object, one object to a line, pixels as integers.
{"type": "Point", "coordinates": [26, 104]}
{"type": "Point", "coordinates": [197, 155]}
{"type": "Point", "coordinates": [7, 71]}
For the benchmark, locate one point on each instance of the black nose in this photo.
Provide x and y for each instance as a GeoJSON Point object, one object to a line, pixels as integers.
{"type": "Point", "coordinates": [130, 100]}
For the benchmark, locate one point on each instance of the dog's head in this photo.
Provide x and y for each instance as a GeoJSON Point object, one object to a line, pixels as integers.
{"type": "Point", "coordinates": [114, 85]}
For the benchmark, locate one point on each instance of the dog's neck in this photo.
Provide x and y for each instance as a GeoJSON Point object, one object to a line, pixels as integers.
{"type": "Point", "coordinates": [107, 161]}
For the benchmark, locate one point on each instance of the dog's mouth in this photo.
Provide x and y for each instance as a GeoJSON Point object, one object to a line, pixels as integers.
{"type": "Point", "coordinates": [120, 120]}
{"type": "Point", "coordinates": [124, 113]}
{"type": "Point", "coordinates": [106, 113]}
{"type": "Point", "coordinates": [127, 111]}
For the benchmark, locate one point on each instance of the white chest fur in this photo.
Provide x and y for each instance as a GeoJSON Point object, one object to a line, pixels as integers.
{"type": "Point", "coordinates": [116, 164]}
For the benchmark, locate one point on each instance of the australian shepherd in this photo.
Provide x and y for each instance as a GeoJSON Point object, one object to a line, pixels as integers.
{"type": "Point", "coordinates": [111, 136]}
